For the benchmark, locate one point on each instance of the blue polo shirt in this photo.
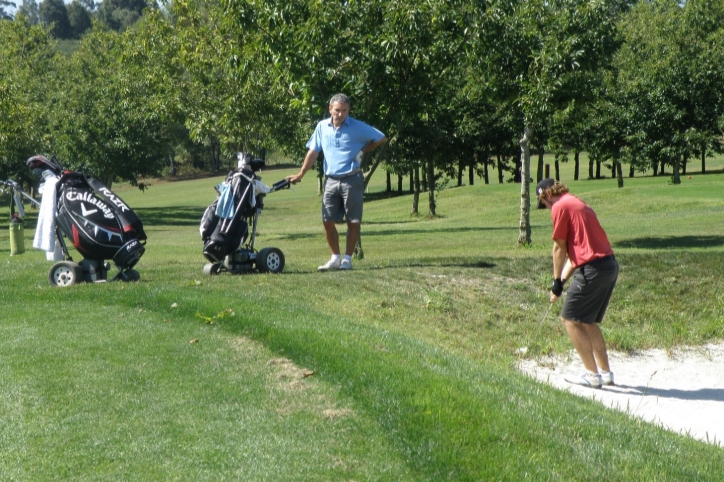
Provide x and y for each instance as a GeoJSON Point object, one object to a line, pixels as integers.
{"type": "Point", "coordinates": [342, 145]}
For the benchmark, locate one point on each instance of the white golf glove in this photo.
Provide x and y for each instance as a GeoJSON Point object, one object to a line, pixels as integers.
{"type": "Point", "coordinates": [359, 157]}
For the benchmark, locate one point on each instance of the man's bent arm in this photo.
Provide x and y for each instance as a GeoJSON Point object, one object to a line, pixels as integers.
{"type": "Point", "coordinates": [307, 165]}
{"type": "Point", "coordinates": [373, 145]}
{"type": "Point", "coordinates": [560, 256]}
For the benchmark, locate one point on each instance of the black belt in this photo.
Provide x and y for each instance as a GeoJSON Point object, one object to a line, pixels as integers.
{"type": "Point", "coordinates": [350, 174]}
{"type": "Point", "coordinates": [601, 260]}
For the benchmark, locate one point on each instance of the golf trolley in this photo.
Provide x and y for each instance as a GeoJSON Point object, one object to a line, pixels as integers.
{"type": "Point", "coordinates": [97, 222]}
{"type": "Point", "coordinates": [228, 245]}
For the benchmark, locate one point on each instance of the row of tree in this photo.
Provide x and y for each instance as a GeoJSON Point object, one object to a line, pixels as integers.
{"type": "Point", "coordinates": [455, 84]}
{"type": "Point", "coordinates": [72, 21]}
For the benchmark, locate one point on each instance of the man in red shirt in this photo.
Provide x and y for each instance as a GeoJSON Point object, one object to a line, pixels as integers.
{"type": "Point", "coordinates": [581, 249]}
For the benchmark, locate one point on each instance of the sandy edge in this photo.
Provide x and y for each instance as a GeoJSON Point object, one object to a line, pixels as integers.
{"type": "Point", "coordinates": [682, 391]}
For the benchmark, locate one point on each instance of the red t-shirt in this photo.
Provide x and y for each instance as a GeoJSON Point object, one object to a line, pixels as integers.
{"type": "Point", "coordinates": [575, 221]}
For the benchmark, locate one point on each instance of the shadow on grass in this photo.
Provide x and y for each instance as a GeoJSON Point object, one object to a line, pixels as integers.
{"type": "Point", "coordinates": [420, 263]}
{"type": "Point", "coordinates": [170, 216]}
{"type": "Point", "coordinates": [672, 242]}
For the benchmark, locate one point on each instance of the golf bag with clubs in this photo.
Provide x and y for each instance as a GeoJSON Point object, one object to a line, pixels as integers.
{"type": "Point", "coordinates": [98, 224]}
{"type": "Point", "coordinates": [226, 223]}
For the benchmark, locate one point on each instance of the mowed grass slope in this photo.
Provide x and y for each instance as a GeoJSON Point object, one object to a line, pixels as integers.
{"type": "Point", "coordinates": [399, 370]}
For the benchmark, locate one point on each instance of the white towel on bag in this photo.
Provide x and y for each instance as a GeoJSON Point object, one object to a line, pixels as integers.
{"type": "Point", "coordinates": [45, 231]}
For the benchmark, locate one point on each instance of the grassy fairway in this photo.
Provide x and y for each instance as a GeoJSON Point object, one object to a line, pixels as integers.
{"type": "Point", "coordinates": [398, 370]}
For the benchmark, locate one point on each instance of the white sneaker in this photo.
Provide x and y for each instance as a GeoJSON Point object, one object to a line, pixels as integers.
{"type": "Point", "coordinates": [607, 378]}
{"type": "Point", "coordinates": [332, 264]}
{"type": "Point", "coordinates": [346, 264]}
{"type": "Point", "coordinates": [587, 379]}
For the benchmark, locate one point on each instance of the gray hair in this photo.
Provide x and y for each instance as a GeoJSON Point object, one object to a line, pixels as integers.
{"type": "Point", "coordinates": [339, 98]}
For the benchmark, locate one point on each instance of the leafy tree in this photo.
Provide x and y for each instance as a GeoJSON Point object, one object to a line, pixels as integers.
{"type": "Point", "coordinates": [79, 18]}
{"type": "Point", "coordinates": [539, 53]}
{"type": "Point", "coordinates": [3, 14]}
{"type": "Point", "coordinates": [29, 9]}
{"type": "Point", "coordinates": [116, 131]}
{"type": "Point", "coordinates": [53, 14]}
{"type": "Point", "coordinates": [26, 65]}
{"type": "Point", "coordinates": [121, 14]}
{"type": "Point", "coordinates": [671, 64]}
{"type": "Point", "coordinates": [393, 57]}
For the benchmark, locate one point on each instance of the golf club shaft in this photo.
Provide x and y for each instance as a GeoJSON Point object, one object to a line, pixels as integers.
{"type": "Point", "coordinates": [540, 323]}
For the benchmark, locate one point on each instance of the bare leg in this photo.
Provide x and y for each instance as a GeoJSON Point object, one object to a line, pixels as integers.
{"type": "Point", "coordinates": [599, 346]}
{"type": "Point", "coordinates": [579, 336]}
{"type": "Point", "coordinates": [352, 236]}
{"type": "Point", "coordinates": [330, 232]}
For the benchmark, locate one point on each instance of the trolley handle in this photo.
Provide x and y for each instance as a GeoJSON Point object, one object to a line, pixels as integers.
{"type": "Point", "coordinates": [279, 185]}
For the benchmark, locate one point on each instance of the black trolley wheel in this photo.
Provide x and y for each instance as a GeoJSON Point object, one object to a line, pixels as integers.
{"type": "Point", "coordinates": [270, 260]}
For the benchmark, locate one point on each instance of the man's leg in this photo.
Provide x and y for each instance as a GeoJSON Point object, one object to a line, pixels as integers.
{"type": "Point", "coordinates": [352, 237]}
{"type": "Point", "coordinates": [598, 344]}
{"type": "Point", "coordinates": [579, 335]}
{"type": "Point", "coordinates": [330, 232]}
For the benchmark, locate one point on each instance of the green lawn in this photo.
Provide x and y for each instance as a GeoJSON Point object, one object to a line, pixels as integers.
{"type": "Point", "coordinates": [399, 370]}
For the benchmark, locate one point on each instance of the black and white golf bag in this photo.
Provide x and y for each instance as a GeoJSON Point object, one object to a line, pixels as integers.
{"type": "Point", "coordinates": [98, 224]}
{"type": "Point", "coordinates": [228, 226]}
{"type": "Point", "coordinates": [224, 226]}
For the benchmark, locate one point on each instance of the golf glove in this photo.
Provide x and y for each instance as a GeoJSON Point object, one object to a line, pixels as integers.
{"type": "Point", "coordinates": [557, 287]}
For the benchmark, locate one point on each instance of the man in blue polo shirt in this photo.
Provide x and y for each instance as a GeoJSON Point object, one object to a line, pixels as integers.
{"type": "Point", "coordinates": [344, 141]}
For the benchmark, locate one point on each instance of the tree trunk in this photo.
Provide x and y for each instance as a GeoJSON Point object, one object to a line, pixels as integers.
{"type": "Point", "coordinates": [486, 164]}
{"type": "Point", "coordinates": [656, 168]}
{"type": "Point", "coordinates": [540, 166]}
{"type": "Point", "coordinates": [412, 180]}
{"type": "Point", "coordinates": [215, 150]}
{"type": "Point", "coordinates": [517, 176]}
{"type": "Point", "coordinates": [703, 158]}
{"type": "Point", "coordinates": [461, 168]}
{"type": "Point", "coordinates": [500, 170]}
{"type": "Point", "coordinates": [380, 153]}
{"type": "Point", "coordinates": [598, 169]}
{"type": "Point", "coordinates": [471, 169]}
{"type": "Point", "coordinates": [524, 225]}
{"type": "Point", "coordinates": [577, 164]}
{"type": "Point", "coordinates": [558, 170]}
{"type": "Point", "coordinates": [619, 171]}
{"type": "Point", "coordinates": [614, 169]}
{"type": "Point", "coordinates": [677, 165]}
{"type": "Point", "coordinates": [415, 179]}
{"type": "Point", "coordinates": [431, 187]}
{"type": "Point", "coordinates": [631, 171]}
{"type": "Point", "coordinates": [399, 184]}
{"type": "Point", "coordinates": [590, 168]}
{"type": "Point", "coordinates": [172, 165]}
{"type": "Point", "coordinates": [389, 182]}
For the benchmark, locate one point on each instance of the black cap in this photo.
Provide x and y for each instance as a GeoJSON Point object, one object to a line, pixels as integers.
{"type": "Point", "coordinates": [542, 186]}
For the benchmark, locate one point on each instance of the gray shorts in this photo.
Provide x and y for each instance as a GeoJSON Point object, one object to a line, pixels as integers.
{"type": "Point", "coordinates": [590, 291]}
{"type": "Point", "coordinates": [343, 197]}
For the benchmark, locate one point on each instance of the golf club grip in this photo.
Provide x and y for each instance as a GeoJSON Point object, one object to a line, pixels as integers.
{"type": "Point", "coordinates": [283, 184]}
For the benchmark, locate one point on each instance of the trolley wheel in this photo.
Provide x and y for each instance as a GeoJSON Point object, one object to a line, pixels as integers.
{"type": "Point", "coordinates": [65, 273]}
{"type": "Point", "coordinates": [132, 275]}
{"type": "Point", "coordinates": [211, 269]}
{"type": "Point", "coordinates": [270, 260]}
